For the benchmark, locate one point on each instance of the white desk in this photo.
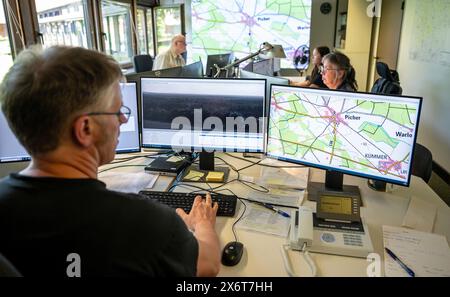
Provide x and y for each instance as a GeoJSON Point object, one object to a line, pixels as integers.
{"type": "Point", "coordinates": [262, 255]}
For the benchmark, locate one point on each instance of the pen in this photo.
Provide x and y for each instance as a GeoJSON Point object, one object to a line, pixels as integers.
{"type": "Point", "coordinates": [408, 270]}
{"type": "Point", "coordinates": [279, 211]}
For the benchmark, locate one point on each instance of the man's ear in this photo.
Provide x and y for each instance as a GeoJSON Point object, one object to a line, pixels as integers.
{"type": "Point", "coordinates": [82, 130]}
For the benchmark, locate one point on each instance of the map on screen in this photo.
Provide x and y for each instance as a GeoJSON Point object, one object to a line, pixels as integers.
{"type": "Point", "coordinates": [241, 26]}
{"type": "Point", "coordinates": [363, 134]}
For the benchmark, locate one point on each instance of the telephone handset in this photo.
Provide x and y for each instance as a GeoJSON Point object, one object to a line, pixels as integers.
{"type": "Point", "coordinates": [302, 236]}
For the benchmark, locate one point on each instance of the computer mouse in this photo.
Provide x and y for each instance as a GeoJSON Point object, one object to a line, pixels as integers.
{"type": "Point", "coordinates": [232, 253]}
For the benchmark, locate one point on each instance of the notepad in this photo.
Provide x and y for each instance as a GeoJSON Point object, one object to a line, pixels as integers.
{"type": "Point", "coordinates": [215, 176]}
{"type": "Point", "coordinates": [420, 215]}
{"type": "Point", "coordinates": [426, 254]}
{"type": "Point", "coordinates": [194, 175]}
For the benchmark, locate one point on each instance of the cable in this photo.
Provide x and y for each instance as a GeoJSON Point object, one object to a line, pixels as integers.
{"type": "Point", "coordinates": [309, 260]}
{"type": "Point", "coordinates": [287, 264]}
{"type": "Point", "coordinates": [264, 165]}
{"type": "Point", "coordinates": [305, 254]}
{"type": "Point", "coordinates": [213, 191]}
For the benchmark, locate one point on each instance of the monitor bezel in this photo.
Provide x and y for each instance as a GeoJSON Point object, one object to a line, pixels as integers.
{"type": "Point", "coordinates": [387, 180]}
{"type": "Point", "coordinates": [200, 149]}
{"type": "Point", "coordinates": [138, 149]}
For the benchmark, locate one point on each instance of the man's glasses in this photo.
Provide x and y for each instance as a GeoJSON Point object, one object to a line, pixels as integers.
{"type": "Point", "coordinates": [124, 111]}
{"type": "Point", "coordinates": [322, 69]}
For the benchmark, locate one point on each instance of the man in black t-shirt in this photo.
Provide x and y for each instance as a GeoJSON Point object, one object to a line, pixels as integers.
{"type": "Point", "coordinates": [56, 219]}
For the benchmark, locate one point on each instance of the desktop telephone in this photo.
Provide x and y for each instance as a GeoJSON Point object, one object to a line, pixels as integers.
{"type": "Point", "coordinates": [317, 235]}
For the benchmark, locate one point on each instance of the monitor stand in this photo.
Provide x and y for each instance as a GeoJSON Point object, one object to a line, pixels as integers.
{"type": "Point", "coordinates": [334, 183]}
{"type": "Point", "coordinates": [199, 172]}
{"type": "Point", "coordinates": [377, 185]}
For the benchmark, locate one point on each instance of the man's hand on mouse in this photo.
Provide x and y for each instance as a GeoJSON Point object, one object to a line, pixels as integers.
{"type": "Point", "coordinates": [202, 211]}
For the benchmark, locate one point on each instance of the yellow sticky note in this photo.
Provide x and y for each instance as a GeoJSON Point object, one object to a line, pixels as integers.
{"type": "Point", "coordinates": [194, 175]}
{"type": "Point", "coordinates": [215, 176]}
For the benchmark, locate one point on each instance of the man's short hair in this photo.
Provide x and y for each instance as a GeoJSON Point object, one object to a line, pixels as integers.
{"type": "Point", "coordinates": [45, 90]}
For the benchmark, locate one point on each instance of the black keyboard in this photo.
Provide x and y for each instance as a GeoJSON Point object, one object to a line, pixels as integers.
{"type": "Point", "coordinates": [227, 203]}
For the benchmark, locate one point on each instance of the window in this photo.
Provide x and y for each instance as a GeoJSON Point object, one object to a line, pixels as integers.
{"type": "Point", "coordinates": [6, 59]}
{"type": "Point", "coordinates": [168, 24]}
{"type": "Point", "coordinates": [140, 29]}
{"type": "Point", "coordinates": [145, 31]}
{"type": "Point", "coordinates": [52, 24]}
{"type": "Point", "coordinates": [150, 44]}
{"type": "Point", "coordinates": [116, 18]}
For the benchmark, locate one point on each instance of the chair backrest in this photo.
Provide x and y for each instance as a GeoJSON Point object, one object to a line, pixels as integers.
{"type": "Point", "coordinates": [388, 83]}
{"type": "Point", "coordinates": [142, 63]}
{"type": "Point", "coordinates": [7, 269]}
{"type": "Point", "coordinates": [422, 165]}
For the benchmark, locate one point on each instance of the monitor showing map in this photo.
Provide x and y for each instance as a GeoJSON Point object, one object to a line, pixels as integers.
{"type": "Point", "coordinates": [367, 135]}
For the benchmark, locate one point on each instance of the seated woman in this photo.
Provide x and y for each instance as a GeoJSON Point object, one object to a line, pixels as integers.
{"type": "Point", "coordinates": [338, 73]}
{"type": "Point", "coordinates": [315, 80]}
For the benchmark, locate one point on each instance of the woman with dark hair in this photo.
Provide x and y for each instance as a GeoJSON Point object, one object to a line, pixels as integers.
{"type": "Point", "coordinates": [315, 80]}
{"type": "Point", "coordinates": [338, 73]}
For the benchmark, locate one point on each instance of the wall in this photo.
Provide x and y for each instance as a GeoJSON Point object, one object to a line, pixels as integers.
{"type": "Point", "coordinates": [428, 77]}
{"type": "Point", "coordinates": [322, 25]}
{"type": "Point", "coordinates": [358, 39]}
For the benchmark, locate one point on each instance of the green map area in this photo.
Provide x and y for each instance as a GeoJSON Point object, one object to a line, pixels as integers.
{"type": "Point", "coordinates": [361, 135]}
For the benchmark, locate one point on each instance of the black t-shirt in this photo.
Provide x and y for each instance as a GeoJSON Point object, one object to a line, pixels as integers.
{"type": "Point", "coordinates": [43, 220]}
{"type": "Point", "coordinates": [317, 80]}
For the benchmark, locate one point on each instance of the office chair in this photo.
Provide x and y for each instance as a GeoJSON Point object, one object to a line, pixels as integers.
{"type": "Point", "coordinates": [388, 83]}
{"type": "Point", "coordinates": [142, 63]}
{"type": "Point", "coordinates": [422, 165]}
{"type": "Point", "coordinates": [7, 269]}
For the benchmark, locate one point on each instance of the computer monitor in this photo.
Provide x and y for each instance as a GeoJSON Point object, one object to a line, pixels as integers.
{"type": "Point", "coordinates": [269, 67]}
{"type": "Point", "coordinates": [129, 140]}
{"type": "Point", "coordinates": [270, 81]}
{"type": "Point", "coordinates": [192, 70]}
{"type": "Point", "coordinates": [10, 148]}
{"type": "Point", "coordinates": [203, 114]}
{"type": "Point", "coordinates": [361, 134]}
{"type": "Point", "coordinates": [168, 72]}
{"type": "Point", "coordinates": [12, 151]}
{"type": "Point", "coordinates": [221, 60]}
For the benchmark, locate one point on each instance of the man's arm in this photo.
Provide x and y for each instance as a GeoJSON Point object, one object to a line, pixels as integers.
{"type": "Point", "coordinates": [201, 220]}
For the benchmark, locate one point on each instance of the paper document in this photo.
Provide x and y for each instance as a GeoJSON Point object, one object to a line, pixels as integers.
{"type": "Point", "coordinates": [420, 215]}
{"type": "Point", "coordinates": [284, 178]}
{"type": "Point", "coordinates": [260, 219]}
{"type": "Point", "coordinates": [426, 254]}
{"type": "Point", "coordinates": [128, 182]}
{"type": "Point", "coordinates": [291, 198]}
